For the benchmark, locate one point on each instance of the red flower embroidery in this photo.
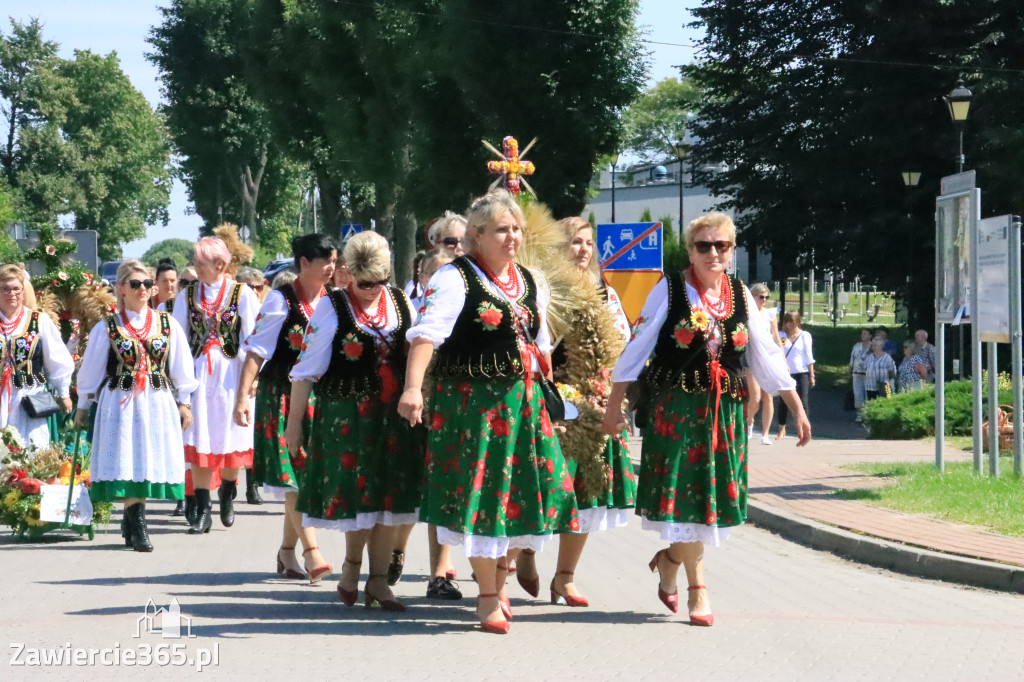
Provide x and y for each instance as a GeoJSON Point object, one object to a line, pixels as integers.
{"type": "Point", "coordinates": [711, 518]}
{"type": "Point", "coordinates": [361, 482]}
{"type": "Point", "coordinates": [733, 492]}
{"type": "Point", "coordinates": [739, 337]}
{"type": "Point", "coordinates": [514, 511]}
{"type": "Point", "coordinates": [364, 408]}
{"type": "Point", "coordinates": [490, 317]}
{"type": "Point", "coordinates": [437, 423]}
{"type": "Point", "coordinates": [567, 484]}
{"type": "Point", "coordinates": [348, 460]}
{"type": "Point", "coordinates": [684, 336]}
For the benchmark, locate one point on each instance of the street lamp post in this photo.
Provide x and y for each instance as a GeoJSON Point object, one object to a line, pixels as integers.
{"type": "Point", "coordinates": [959, 103]}
{"type": "Point", "coordinates": [615, 162]}
{"type": "Point", "coordinates": [680, 150]}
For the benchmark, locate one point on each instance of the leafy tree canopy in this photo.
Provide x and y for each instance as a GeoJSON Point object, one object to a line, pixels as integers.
{"type": "Point", "coordinates": [178, 250]}
{"type": "Point", "coordinates": [657, 121]}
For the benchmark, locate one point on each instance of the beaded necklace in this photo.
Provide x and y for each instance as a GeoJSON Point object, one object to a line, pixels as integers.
{"type": "Point", "coordinates": [7, 328]}
{"type": "Point", "coordinates": [211, 308]}
{"type": "Point", "coordinates": [141, 335]}
{"type": "Point", "coordinates": [376, 321]}
{"type": "Point", "coordinates": [512, 288]}
{"type": "Point", "coordinates": [307, 308]}
{"type": "Point", "coordinates": [722, 308]}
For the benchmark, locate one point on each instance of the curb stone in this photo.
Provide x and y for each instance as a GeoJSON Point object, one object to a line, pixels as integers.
{"type": "Point", "coordinates": [893, 556]}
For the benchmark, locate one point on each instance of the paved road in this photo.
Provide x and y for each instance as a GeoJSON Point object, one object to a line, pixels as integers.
{"type": "Point", "coordinates": [783, 613]}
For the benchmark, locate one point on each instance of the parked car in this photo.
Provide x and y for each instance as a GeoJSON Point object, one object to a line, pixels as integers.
{"type": "Point", "coordinates": [108, 270]}
{"type": "Point", "coordinates": [276, 267]}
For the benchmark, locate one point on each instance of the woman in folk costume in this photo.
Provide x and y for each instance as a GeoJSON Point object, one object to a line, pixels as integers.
{"type": "Point", "coordinates": [590, 338]}
{"type": "Point", "coordinates": [693, 468]}
{"type": "Point", "coordinates": [33, 355]}
{"type": "Point", "coordinates": [272, 350]}
{"type": "Point", "coordinates": [364, 465]}
{"type": "Point", "coordinates": [138, 370]}
{"type": "Point", "coordinates": [496, 478]}
{"type": "Point", "coordinates": [217, 314]}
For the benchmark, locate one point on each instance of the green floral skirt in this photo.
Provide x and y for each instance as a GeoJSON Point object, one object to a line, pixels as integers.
{"type": "Point", "coordinates": [272, 467]}
{"type": "Point", "coordinates": [681, 480]}
{"type": "Point", "coordinates": [364, 466]}
{"type": "Point", "coordinates": [494, 466]}
{"type": "Point", "coordinates": [607, 509]}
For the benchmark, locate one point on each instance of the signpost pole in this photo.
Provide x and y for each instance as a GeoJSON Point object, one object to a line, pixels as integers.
{"type": "Point", "coordinates": [1015, 343]}
{"type": "Point", "coordinates": [940, 393]}
{"type": "Point", "coordinates": [976, 366]}
{"type": "Point", "coordinates": [993, 411]}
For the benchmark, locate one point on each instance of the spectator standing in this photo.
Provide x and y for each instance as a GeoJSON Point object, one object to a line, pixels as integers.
{"type": "Point", "coordinates": [912, 370]}
{"type": "Point", "coordinates": [797, 345]}
{"type": "Point", "coordinates": [879, 368]}
{"type": "Point", "coordinates": [858, 358]}
{"type": "Point", "coordinates": [927, 353]}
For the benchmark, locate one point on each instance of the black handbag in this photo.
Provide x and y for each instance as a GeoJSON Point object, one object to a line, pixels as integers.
{"type": "Point", "coordinates": [40, 405]}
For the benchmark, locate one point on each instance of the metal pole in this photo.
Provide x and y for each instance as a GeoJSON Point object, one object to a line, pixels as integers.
{"type": "Point", "coordinates": [613, 192]}
{"type": "Point", "coordinates": [680, 200]}
{"type": "Point", "coordinates": [940, 393]}
{"type": "Point", "coordinates": [960, 158]}
{"type": "Point", "coordinates": [976, 387]}
{"type": "Point", "coordinates": [993, 411]}
{"type": "Point", "coordinates": [1015, 343]}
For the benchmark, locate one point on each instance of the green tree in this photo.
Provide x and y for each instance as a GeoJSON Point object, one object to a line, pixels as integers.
{"type": "Point", "coordinates": [178, 250]}
{"type": "Point", "coordinates": [658, 120]}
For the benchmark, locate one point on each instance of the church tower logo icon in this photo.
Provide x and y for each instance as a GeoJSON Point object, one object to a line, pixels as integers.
{"type": "Point", "coordinates": [167, 621]}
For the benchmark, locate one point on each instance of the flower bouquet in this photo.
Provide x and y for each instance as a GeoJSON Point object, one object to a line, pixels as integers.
{"type": "Point", "coordinates": [36, 487]}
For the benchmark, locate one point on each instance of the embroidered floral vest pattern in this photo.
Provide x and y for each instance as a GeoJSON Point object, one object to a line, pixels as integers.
{"type": "Point", "coordinates": [123, 358]}
{"type": "Point", "coordinates": [226, 325]}
{"type": "Point", "coordinates": [26, 354]}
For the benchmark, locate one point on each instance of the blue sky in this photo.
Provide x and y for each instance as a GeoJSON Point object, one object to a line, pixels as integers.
{"type": "Point", "coordinates": [121, 26]}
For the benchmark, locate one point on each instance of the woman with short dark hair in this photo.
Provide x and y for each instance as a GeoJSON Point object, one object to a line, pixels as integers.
{"type": "Point", "coordinates": [798, 347]}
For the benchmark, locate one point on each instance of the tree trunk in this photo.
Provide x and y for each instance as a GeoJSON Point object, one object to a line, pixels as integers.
{"type": "Point", "coordinates": [330, 203]}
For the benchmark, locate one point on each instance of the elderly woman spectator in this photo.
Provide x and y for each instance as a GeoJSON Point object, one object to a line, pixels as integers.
{"type": "Point", "coordinates": [33, 355]}
{"type": "Point", "coordinates": [798, 347]}
{"type": "Point", "coordinates": [448, 232]}
{"type": "Point", "coordinates": [254, 279]}
{"type": "Point", "coordinates": [693, 472]}
{"type": "Point", "coordinates": [927, 352]}
{"type": "Point", "coordinates": [761, 399]}
{"type": "Point", "coordinates": [912, 370]}
{"type": "Point", "coordinates": [879, 368]}
{"type": "Point", "coordinates": [858, 357]}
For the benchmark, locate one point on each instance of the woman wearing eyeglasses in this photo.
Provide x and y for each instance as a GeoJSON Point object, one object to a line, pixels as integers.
{"type": "Point", "coordinates": [217, 314]}
{"type": "Point", "coordinates": [364, 464]}
{"type": "Point", "coordinates": [138, 370]}
{"type": "Point", "coordinates": [33, 355]}
{"type": "Point", "coordinates": [760, 400]}
{"type": "Point", "coordinates": [693, 468]}
{"type": "Point", "coordinates": [271, 351]}
{"type": "Point", "coordinates": [496, 478]}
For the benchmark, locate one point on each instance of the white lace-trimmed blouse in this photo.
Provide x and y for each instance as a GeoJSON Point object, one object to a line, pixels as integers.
{"type": "Point", "coordinates": [766, 359]}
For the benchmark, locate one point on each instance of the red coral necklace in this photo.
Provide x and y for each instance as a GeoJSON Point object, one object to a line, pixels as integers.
{"type": "Point", "coordinates": [513, 287]}
{"type": "Point", "coordinates": [138, 334]}
{"type": "Point", "coordinates": [7, 328]}
{"type": "Point", "coordinates": [307, 308]}
{"type": "Point", "coordinates": [722, 308]}
{"type": "Point", "coordinates": [212, 308]}
{"type": "Point", "coordinates": [378, 320]}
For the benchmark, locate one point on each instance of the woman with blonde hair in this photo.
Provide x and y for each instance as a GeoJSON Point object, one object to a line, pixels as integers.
{"type": "Point", "coordinates": [364, 464]}
{"type": "Point", "coordinates": [693, 470]}
{"type": "Point", "coordinates": [138, 370]}
{"type": "Point", "coordinates": [33, 355]}
{"type": "Point", "coordinates": [496, 478]}
{"type": "Point", "coordinates": [448, 232]}
{"type": "Point", "coordinates": [760, 399]}
{"type": "Point", "coordinates": [598, 509]}
{"type": "Point", "coordinates": [217, 314]}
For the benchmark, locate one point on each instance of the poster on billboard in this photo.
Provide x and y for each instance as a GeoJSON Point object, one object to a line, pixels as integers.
{"type": "Point", "coordinates": [955, 223]}
{"type": "Point", "coordinates": [993, 263]}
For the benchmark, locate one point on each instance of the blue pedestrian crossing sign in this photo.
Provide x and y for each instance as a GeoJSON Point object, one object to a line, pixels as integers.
{"type": "Point", "coordinates": [348, 230]}
{"type": "Point", "coordinates": [630, 246]}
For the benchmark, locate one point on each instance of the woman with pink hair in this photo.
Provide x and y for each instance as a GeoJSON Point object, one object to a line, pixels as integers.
{"type": "Point", "coordinates": [217, 314]}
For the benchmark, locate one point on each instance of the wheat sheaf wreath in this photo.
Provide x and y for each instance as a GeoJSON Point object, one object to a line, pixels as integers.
{"type": "Point", "coordinates": [580, 320]}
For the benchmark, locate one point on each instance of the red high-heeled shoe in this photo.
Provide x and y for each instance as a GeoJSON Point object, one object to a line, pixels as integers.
{"type": "Point", "coordinates": [287, 571]}
{"type": "Point", "coordinates": [669, 600]}
{"type": "Point", "coordinates": [498, 627]}
{"type": "Point", "coordinates": [317, 574]}
{"type": "Point", "coordinates": [704, 621]}
{"type": "Point", "coordinates": [569, 600]}
{"type": "Point", "coordinates": [348, 597]}
{"type": "Point", "coordinates": [385, 604]}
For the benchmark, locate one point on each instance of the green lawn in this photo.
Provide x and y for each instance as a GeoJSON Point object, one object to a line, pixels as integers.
{"type": "Point", "coordinates": [958, 495]}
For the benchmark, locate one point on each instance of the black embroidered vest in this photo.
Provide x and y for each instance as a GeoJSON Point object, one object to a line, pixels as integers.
{"type": "Point", "coordinates": [483, 342]}
{"type": "Point", "coordinates": [682, 357]}
{"type": "Point", "coordinates": [354, 371]}
{"type": "Point", "coordinates": [123, 360]}
{"type": "Point", "coordinates": [289, 340]}
{"type": "Point", "coordinates": [226, 326]}
{"type": "Point", "coordinates": [26, 354]}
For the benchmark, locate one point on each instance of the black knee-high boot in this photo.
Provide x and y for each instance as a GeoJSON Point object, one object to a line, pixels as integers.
{"type": "Point", "coordinates": [203, 519]}
{"type": "Point", "coordinates": [139, 532]}
{"type": "Point", "coordinates": [228, 490]}
{"type": "Point", "coordinates": [191, 509]}
{"type": "Point", "coordinates": [252, 491]}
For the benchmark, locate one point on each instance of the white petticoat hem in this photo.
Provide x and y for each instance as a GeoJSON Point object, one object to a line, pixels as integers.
{"type": "Point", "coordinates": [688, 532]}
{"type": "Point", "coordinates": [602, 518]}
{"type": "Point", "coordinates": [488, 547]}
{"type": "Point", "coordinates": [277, 493]}
{"type": "Point", "coordinates": [362, 521]}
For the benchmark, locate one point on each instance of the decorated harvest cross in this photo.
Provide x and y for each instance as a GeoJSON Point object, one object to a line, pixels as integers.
{"type": "Point", "coordinates": [512, 168]}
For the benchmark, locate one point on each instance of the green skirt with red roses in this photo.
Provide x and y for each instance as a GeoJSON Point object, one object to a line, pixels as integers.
{"type": "Point", "coordinates": [608, 509]}
{"type": "Point", "coordinates": [364, 466]}
{"type": "Point", "coordinates": [496, 477]}
{"type": "Point", "coordinates": [272, 467]}
{"type": "Point", "coordinates": [686, 492]}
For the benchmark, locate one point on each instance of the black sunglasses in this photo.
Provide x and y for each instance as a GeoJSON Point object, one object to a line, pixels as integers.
{"type": "Point", "coordinates": [705, 247]}
{"type": "Point", "coordinates": [450, 242]}
{"type": "Point", "coordinates": [366, 286]}
{"type": "Point", "coordinates": [763, 297]}
{"type": "Point", "coordinates": [135, 283]}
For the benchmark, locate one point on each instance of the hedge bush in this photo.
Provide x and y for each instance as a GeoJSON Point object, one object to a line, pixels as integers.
{"type": "Point", "coordinates": [912, 415]}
